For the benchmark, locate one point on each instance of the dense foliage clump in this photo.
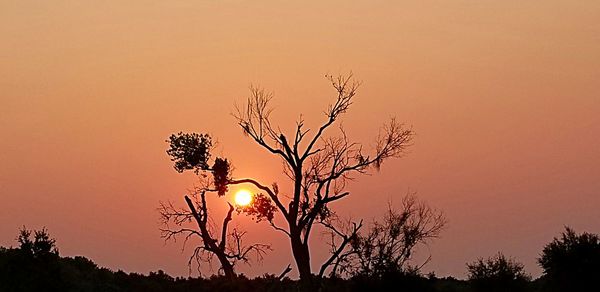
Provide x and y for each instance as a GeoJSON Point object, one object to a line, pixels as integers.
{"type": "Point", "coordinates": [571, 262]}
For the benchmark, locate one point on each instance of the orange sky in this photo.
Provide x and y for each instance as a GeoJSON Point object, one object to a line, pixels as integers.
{"type": "Point", "coordinates": [504, 97]}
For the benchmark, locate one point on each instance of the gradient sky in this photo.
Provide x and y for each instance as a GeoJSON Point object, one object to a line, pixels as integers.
{"type": "Point", "coordinates": [504, 97]}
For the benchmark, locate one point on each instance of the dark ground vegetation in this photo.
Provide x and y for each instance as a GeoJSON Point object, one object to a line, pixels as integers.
{"type": "Point", "coordinates": [571, 262]}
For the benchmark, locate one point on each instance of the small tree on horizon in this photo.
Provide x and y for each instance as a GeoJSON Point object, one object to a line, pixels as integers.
{"type": "Point", "coordinates": [498, 273]}
{"type": "Point", "coordinates": [41, 246]}
{"type": "Point", "coordinates": [571, 262]}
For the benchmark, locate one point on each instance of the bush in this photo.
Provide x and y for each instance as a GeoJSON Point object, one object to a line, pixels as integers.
{"type": "Point", "coordinates": [498, 273]}
{"type": "Point", "coordinates": [571, 262]}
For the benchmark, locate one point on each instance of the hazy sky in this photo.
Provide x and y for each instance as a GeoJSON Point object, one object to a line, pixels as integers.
{"type": "Point", "coordinates": [504, 97]}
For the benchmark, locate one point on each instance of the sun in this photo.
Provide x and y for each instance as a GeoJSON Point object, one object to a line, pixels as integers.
{"type": "Point", "coordinates": [243, 198]}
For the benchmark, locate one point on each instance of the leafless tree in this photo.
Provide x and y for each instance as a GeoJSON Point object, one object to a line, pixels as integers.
{"type": "Point", "coordinates": [319, 167]}
{"type": "Point", "coordinates": [389, 244]}
{"type": "Point", "coordinates": [192, 152]}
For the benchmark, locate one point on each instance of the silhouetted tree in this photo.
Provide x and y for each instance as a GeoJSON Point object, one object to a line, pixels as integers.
{"type": "Point", "coordinates": [33, 266]}
{"type": "Point", "coordinates": [319, 167]}
{"type": "Point", "coordinates": [498, 273]}
{"type": "Point", "coordinates": [389, 244]}
{"type": "Point", "coordinates": [192, 152]}
{"type": "Point", "coordinates": [40, 247]}
{"type": "Point", "coordinates": [571, 262]}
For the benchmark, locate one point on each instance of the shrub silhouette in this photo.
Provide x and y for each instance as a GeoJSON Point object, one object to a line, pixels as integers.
{"type": "Point", "coordinates": [572, 262]}
{"type": "Point", "coordinates": [385, 251]}
{"type": "Point", "coordinates": [498, 273]}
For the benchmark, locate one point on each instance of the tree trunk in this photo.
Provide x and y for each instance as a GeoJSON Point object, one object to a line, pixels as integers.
{"type": "Point", "coordinates": [302, 257]}
{"type": "Point", "coordinates": [227, 267]}
{"type": "Point", "coordinates": [209, 243]}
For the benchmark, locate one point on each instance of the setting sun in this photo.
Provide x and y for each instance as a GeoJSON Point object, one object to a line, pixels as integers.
{"type": "Point", "coordinates": [243, 198]}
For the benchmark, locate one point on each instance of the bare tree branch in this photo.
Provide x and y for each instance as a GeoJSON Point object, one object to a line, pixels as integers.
{"type": "Point", "coordinates": [336, 251]}
{"type": "Point", "coordinates": [285, 272]}
{"type": "Point", "coordinates": [270, 192]}
{"type": "Point", "coordinates": [228, 251]}
{"type": "Point", "coordinates": [225, 223]}
{"type": "Point", "coordinates": [346, 88]}
{"type": "Point", "coordinates": [254, 120]}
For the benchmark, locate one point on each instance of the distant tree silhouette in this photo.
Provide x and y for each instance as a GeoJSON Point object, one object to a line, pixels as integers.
{"type": "Point", "coordinates": [33, 266]}
{"type": "Point", "coordinates": [385, 250]}
{"type": "Point", "coordinates": [571, 262]}
{"type": "Point", "coordinates": [192, 152]}
{"type": "Point", "coordinates": [318, 167]}
{"type": "Point", "coordinates": [498, 273]}
{"type": "Point", "coordinates": [41, 246]}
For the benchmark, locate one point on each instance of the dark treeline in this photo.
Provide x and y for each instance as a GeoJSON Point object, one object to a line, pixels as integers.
{"type": "Point", "coordinates": [571, 262]}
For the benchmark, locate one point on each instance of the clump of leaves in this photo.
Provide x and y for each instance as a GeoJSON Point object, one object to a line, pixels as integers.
{"type": "Point", "coordinates": [190, 151]}
{"type": "Point", "coordinates": [261, 208]}
{"type": "Point", "coordinates": [221, 171]}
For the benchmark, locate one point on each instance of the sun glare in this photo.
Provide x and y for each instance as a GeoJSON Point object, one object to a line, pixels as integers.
{"type": "Point", "coordinates": [243, 198]}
